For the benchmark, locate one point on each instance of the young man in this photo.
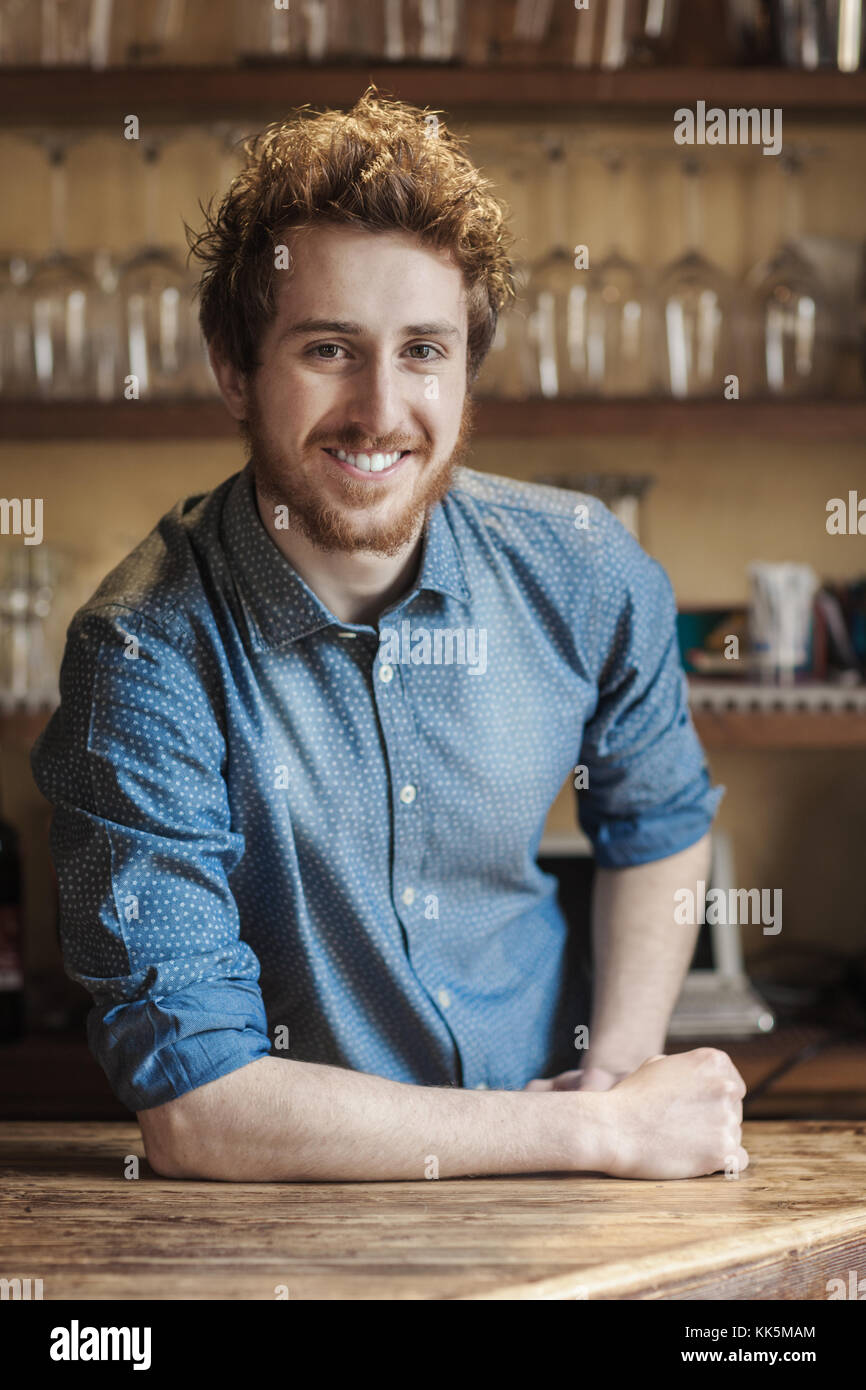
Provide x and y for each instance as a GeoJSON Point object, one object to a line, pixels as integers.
{"type": "Point", "coordinates": [312, 726]}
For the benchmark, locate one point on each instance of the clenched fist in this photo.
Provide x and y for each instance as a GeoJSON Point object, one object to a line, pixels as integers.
{"type": "Point", "coordinates": [677, 1117]}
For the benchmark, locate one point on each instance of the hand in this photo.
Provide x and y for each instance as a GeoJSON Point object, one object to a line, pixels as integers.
{"type": "Point", "coordinates": [677, 1117]}
{"type": "Point", "coordinates": [589, 1078]}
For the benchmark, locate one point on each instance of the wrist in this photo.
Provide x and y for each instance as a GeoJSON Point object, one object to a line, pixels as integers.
{"type": "Point", "coordinates": [582, 1130]}
{"type": "Point", "coordinates": [621, 1058]}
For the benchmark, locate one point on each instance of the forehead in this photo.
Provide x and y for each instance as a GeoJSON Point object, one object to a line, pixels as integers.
{"type": "Point", "coordinates": [377, 277]}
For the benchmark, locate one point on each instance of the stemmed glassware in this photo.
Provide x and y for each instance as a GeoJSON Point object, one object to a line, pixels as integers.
{"type": "Point", "coordinates": [56, 32]}
{"type": "Point", "coordinates": [620, 315]}
{"type": "Point", "coordinates": [156, 292]}
{"type": "Point", "coordinates": [393, 31]}
{"type": "Point", "coordinates": [695, 299]}
{"type": "Point", "coordinates": [59, 295]}
{"type": "Point", "coordinates": [791, 312]}
{"type": "Point", "coordinates": [76, 31]}
{"type": "Point", "coordinates": [399, 31]}
{"type": "Point", "coordinates": [16, 335]}
{"type": "Point", "coordinates": [152, 31]}
{"type": "Point", "coordinates": [268, 32]}
{"type": "Point", "coordinates": [556, 296]}
{"type": "Point", "coordinates": [506, 371]}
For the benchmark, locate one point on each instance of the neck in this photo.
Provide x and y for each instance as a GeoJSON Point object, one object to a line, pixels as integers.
{"type": "Point", "coordinates": [356, 586]}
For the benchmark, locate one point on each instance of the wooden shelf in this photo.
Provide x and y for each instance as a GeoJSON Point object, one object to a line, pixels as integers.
{"type": "Point", "coordinates": [818, 421]}
{"type": "Point", "coordinates": [80, 95]}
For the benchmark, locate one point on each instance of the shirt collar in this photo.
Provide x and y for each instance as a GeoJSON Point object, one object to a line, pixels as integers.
{"type": "Point", "coordinates": [283, 606]}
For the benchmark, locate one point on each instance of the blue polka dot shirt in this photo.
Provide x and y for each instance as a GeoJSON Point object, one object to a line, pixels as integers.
{"type": "Point", "coordinates": [278, 833]}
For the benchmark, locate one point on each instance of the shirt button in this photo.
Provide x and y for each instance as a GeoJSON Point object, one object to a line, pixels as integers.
{"type": "Point", "coordinates": [407, 794]}
{"type": "Point", "coordinates": [408, 896]}
{"type": "Point", "coordinates": [347, 634]}
{"type": "Point", "coordinates": [482, 1086]}
{"type": "Point", "coordinates": [444, 998]}
{"type": "Point", "coordinates": [386, 673]}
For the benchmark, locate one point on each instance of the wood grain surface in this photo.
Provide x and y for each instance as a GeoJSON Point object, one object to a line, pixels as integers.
{"type": "Point", "coordinates": [793, 1220]}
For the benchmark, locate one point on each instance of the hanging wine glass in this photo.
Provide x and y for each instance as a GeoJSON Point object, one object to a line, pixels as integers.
{"type": "Point", "coordinates": [105, 328]}
{"type": "Point", "coordinates": [155, 290]}
{"type": "Point", "coordinates": [16, 336]}
{"type": "Point", "coordinates": [556, 297]}
{"type": "Point", "coordinates": [60, 295]}
{"type": "Point", "coordinates": [506, 369]}
{"type": "Point", "coordinates": [63, 37]}
{"type": "Point", "coordinates": [695, 299]}
{"type": "Point", "coordinates": [620, 354]}
{"type": "Point", "coordinates": [55, 33]}
{"type": "Point", "coordinates": [429, 31]}
{"type": "Point", "coordinates": [154, 31]}
{"type": "Point", "coordinates": [266, 33]}
{"type": "Point", "coordinates": [795, 321]}
{"type": "Point", "coordinates": [316, 30]}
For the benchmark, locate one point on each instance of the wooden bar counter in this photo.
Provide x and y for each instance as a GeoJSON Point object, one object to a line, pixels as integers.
{"type": "Point", "coordinates": [793, 1220]}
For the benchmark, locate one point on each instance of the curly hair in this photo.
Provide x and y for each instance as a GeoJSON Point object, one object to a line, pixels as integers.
{"type": "Point", "coordinates": [384, 165]}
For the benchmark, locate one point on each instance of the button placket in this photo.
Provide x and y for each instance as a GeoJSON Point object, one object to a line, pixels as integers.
{"type": "Point", "coordinates": [398, 733]}
{"type": "Point", "coordinates": [401, 748]}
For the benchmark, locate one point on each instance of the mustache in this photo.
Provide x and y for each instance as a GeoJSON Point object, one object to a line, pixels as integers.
{"type": "Point", "coordinates": [354, 445]}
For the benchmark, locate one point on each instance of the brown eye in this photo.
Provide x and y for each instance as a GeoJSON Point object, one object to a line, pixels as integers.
{"type": "Point", "coordinates": [320, 347]}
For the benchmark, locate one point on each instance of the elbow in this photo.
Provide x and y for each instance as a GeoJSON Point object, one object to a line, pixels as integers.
{"type": "Point", "coordinates": [165, 1163]}
{"type": "Point", "coordinates": [168, 1142]}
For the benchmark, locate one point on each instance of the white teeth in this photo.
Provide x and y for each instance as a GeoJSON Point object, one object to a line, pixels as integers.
{"type": "Point", "coordinates": [369, 463]}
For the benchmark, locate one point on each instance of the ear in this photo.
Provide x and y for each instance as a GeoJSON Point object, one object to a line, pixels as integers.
{"type": "Point", "coordinates": [231, 382]}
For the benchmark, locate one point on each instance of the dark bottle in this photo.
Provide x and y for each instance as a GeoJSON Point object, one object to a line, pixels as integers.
{"type": "Point", "coordinates": [11, 972]}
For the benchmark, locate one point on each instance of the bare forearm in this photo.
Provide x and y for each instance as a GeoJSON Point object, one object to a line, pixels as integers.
{"type": "Point", "coordinates": [641, 955]}
{"type": "Point", "coordinates": [278, 1120]}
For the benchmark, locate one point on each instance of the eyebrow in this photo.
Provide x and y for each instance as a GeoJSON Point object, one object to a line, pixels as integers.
{"type": "Point", "coordinates": [442, 329]}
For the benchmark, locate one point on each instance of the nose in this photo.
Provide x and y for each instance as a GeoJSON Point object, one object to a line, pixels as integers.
{"type": "Point", "coordinates": [378, 408]}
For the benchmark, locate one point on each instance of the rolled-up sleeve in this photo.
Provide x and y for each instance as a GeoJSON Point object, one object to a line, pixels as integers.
{"type": "Point", "coordinates": [649, 792]}
{"type": "Point", "coordinates": [141, 838]}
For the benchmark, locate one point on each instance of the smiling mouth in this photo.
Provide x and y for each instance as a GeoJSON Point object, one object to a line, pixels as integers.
{"type": "Point", "coordinates": [369, 462]}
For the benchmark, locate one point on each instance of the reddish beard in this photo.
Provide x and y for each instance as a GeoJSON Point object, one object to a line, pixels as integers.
{"type": "Point", "coordinates": [332, 527]}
